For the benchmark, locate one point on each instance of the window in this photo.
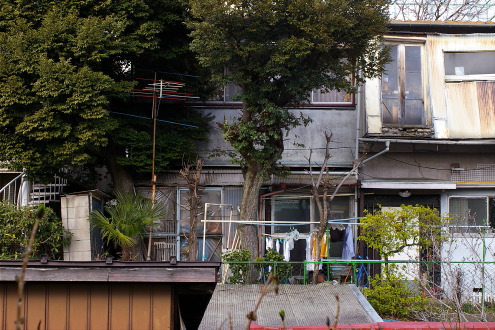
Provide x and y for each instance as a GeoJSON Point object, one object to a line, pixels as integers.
{"type": "Point", "coordinates": [402, 87]}
{"type": "Point", "coordinates": [231, 92]}
{"type": "Point", "coordinates": [332, 96]}
{"type": "Point", "coordinates": [469, 66]}
{"type": "Point", "coordinates": [470, 213]}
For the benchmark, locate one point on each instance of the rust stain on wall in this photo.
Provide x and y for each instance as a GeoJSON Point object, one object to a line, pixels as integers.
{"type": "Point", "coordinates": [486, 102]}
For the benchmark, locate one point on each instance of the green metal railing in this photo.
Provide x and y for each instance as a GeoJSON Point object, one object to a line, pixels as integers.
{"type": "Point", "coordinates": [469, 280]}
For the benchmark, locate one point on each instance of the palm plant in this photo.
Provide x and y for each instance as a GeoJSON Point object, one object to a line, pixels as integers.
{"type": "Point", "coordinates": [125, 221]}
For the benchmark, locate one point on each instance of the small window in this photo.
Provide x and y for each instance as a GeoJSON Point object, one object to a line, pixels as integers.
{"type": "Point", "coordinates": [402, 87]}
{"type": "Point", "coordinates": [469, 66]}
{"type": "Point", "coordinates": [332, 96]}
{"type": "Point", "coordinates": [231, 92]}
{"type": "Point", "coordinates": [469, 214]}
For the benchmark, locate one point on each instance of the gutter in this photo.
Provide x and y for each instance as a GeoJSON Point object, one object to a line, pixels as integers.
{"type": "Point", "coordinates": [458, 142]}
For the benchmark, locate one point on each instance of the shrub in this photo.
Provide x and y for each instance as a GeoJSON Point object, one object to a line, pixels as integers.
{"type": "Point", "coordinates": [15, 228]}
{"type": "Point", "coordinates": [394, 296]}
{"type": "Point", "coordinates": [274, 262]}
{"type": "Point", "coordinates": [238, 263]}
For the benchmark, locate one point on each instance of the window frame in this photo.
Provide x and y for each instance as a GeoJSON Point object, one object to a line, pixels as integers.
{"type": "Point", "coordinates": [401, 81]}
{"type": "Point", "coordinates": [350, 103]}
{"type": "Point", "coordinates": [467, 228]}
{"type": "Point", "coordinates": [468, 77]}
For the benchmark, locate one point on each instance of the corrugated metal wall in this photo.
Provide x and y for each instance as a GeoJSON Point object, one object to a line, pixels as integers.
{"type": "Point", "coordinates": [470, 109]}
{"type": "Point", "coordinates": [53, 306]}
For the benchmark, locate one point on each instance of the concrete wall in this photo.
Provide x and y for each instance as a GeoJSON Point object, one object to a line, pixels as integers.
{"type": "Point", "coordinates": [340, 122]}
{"type": "Point", "coordinates": [422, 165]}
{"type": "Point", "coordinates": [75, 213]}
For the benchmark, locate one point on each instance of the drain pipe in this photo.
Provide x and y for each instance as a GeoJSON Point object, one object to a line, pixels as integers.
{"type": "Point", "coordinates": [387, 148]}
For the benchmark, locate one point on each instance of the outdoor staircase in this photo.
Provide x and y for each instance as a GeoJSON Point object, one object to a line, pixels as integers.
{"type": "Point", "coordinates": [21, 192]}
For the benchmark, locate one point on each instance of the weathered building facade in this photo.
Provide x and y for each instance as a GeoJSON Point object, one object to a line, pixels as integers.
{"type": "Point", "coordinates": [430, 119]}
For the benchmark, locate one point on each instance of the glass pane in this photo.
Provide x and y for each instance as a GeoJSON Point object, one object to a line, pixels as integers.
{"type": "Point", "coordinates": [292, 210]}
{"type": "Point", "coordinates": [413, 85]}
{"type": "Point", "coordinates": [390, 84]}
{"type": "Point", "coordinates": [413, 112]}
{"type": "Point", "coordinates": [232, 92]}
{"type": "Point", "coordinates": [390, 110]}
{"type": "Point", "coordinates": [413, 58]}
{"type": "Point", "coordinates": [469, 63]}
{"type": "Point", "coordinates": [214, 212]}
{"type": "Point", "coordinates": [468, 212]}
{"type": "Point", "coordinates": [332, 96]}
{"type": "Point", "coordinates": [390, 90]}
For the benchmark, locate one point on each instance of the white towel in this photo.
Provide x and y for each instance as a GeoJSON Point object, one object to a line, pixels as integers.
{"type": "Point", "coordinates": [348, 251]}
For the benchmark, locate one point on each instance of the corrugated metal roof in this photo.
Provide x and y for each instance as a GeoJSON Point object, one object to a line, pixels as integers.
{"type": "Point", "coordinates": [303, 305]}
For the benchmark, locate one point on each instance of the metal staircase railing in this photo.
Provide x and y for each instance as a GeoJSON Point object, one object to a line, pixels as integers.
{"type": "Point", "coordinates": [10, 192]}
{"type": "Point", "coordinates": [44, 193]}
{"type": "Point", "coordinates": [19, 191]}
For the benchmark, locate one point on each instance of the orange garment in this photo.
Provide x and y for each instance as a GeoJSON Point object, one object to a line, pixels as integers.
{"type": "Point", "coordinates": [323, 247]}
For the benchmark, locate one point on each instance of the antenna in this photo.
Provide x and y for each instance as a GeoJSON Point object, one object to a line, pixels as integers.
{"type": "Point", "coordinates": [158, 90]}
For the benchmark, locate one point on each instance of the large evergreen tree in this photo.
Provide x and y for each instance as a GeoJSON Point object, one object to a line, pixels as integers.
{"type": "Point", "coordinates": [61, 65]}
{"type": "Point", "coordinates": [277, 51]}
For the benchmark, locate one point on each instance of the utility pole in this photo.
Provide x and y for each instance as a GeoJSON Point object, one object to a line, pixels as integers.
{"type": "Point", "coordinates": [158, 90]}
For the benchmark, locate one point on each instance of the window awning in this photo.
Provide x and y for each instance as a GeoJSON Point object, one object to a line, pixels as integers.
{"type": "Point", "coordinates": [407, 184]}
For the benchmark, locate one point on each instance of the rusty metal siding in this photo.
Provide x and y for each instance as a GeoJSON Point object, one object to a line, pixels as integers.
{"type": "Point", "coordinates": [463, 111]}
{"type": "Point", "coordinates": [486, 103]}
{"type": "Point", "coordinates": [89, 306]}
{"type": "Point", "coordinates": [471, 108]}
{"type": "Point", "coordinates": [467, 107]}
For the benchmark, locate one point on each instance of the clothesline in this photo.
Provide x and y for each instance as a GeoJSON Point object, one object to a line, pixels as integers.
{"type": "Point", "coordinates": [282, 223]}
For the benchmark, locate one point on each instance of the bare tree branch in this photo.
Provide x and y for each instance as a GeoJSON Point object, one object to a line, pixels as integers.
{"type": "Point", "coordinates": [443, 10]}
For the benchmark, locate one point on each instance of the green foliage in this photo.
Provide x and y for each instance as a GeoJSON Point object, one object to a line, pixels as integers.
{"type": "Point", "coordinates": [393, 296]}
{"type": "Point", "coordinates": [127, 219]}
{"type": "Point", "coordinates": [279, 268]}
{"type": "Point", "coordinates": [15, 228]}
{"type": "Point", "coordinates": [62, 63]}
{"type": "Point", "coordinates": [238, 264]}
{"type": "Point", "coordinates": [59, 60]}
{"type": "Point", "coordinates": [174, 143]}
{"type": "Point", "coordinates": [391, 231]}
{"type": "Point", "coordinates": [277, 52]}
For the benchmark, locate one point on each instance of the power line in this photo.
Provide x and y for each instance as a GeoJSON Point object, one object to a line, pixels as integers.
{"type": "Point", "coordinates": [161, 120]}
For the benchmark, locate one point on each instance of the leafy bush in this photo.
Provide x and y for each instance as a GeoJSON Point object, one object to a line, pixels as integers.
{"type": "Point", "coordinates": [238, 263]}
{"type": "Point", "coordinates": [15, 228]}
{"type": "Point", "coordinates": [274, 262]}
{"type": "Point", "coordinates": [394, 296]}
{"type": "Point", "coordinates": [126, 222]}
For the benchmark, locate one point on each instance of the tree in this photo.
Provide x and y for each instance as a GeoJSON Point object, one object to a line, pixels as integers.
{"type": "Point", "coordinates": [324, 198]}
{"type": "Point", "coordinates": [126, 222]}
{"type": "Point", "coordinates": [277, 52]}
{"type": "Point", "coordinates": [61, 65]}
{"type": "Point", "coordinates": [443, 10]}
{"type": "Point", "coordinates": [392, 231]}
{"type": "Point", "coordinates": [192, 177]}
{"type": "Point", "coordinates": [58, 61]}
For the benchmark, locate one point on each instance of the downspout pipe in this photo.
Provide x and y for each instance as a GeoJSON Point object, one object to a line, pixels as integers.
{"type": "Point", "coordinates": [387, 148]}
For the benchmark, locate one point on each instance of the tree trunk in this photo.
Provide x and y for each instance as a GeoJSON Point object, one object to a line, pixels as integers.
{"type": "Point", "coordinates": [121, 178]}
{"type": "Point", "coordinates": [248, 234]}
